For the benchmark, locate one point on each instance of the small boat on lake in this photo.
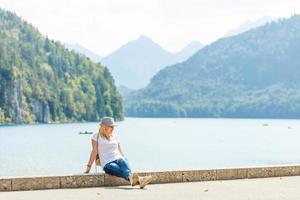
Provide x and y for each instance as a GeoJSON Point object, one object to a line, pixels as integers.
{"type": "Point", "coordinates": [85, 132]}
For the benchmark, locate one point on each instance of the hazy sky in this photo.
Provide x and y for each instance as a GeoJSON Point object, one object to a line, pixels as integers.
{"type": "Point", "coordinates": [104, 25]}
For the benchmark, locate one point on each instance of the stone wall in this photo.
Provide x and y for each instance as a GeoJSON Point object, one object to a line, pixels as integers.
{"type": "Point", "coordinates": [97, 180]}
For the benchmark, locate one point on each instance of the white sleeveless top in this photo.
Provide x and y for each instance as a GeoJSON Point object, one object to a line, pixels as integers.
{"type": "Point", "coordinates": [107, 149]}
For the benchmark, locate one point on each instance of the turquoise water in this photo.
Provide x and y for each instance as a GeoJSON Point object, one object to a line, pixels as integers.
{"type": "Point", "coordinates": [152, 144]}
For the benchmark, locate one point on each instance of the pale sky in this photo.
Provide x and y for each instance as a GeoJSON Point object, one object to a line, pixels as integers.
{"type": "Point", "coordinates": [104, 25]}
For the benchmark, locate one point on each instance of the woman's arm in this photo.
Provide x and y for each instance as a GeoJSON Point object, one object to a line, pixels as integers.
{"type": "Point", "coordinates": [93, 155]}
{"type": "Point", "coordinates": [120, 149]}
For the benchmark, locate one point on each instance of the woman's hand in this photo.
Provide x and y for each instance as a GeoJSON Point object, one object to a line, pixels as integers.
{"type": "Point", "coordinates": [92, 156]}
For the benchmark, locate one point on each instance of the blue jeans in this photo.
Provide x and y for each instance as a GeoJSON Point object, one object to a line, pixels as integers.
{"type": "Point", "coordinates": [119, 167]}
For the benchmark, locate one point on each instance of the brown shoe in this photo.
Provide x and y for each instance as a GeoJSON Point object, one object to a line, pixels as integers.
{"type": "Point", "coordinates": [134, 179]}
{"type": "Point", "coordinates": [144, 181]}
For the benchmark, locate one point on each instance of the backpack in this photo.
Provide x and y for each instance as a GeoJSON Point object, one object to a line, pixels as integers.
{"type": "Point", "coordinates": [97, 161]}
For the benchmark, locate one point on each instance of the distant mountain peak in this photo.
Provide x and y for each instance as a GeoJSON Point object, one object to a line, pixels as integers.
{"type": "Point", "coordinates": [134, 63]}
{"type": "Point", "coordinates": [144, 38]}
{"type": "Point", "coordinates": [194, 45]}
{"type": "Point", "coordinates": [141, 43]}
{"type": "Point", "coordinates": [189, 50]}
{"type": "Point", "coordinates": [82, 50]}
{"type": "Point", "coordinates": [247, 25]}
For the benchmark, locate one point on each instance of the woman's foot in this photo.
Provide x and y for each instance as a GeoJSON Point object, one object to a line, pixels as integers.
{"type": "Point", "coordinates": [134, 179]}
{"type": "Point", "coordinates": [144, 181]}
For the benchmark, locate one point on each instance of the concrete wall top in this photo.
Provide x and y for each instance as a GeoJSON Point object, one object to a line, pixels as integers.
{"type": "Point", "coordinates": [101, 179]}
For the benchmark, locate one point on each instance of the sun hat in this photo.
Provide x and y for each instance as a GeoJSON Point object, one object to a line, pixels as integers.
{"type": "Point", "coordinates": [107, 121]}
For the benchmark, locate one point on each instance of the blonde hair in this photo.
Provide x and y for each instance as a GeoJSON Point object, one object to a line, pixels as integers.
{"type": "Point", "coordinates": [101, 131]}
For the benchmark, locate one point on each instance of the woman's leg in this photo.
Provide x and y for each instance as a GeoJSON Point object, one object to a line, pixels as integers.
{"type": "Point", "coordinates": [114, 169]}
{"type": "Point", "coordinates": [124, 165]}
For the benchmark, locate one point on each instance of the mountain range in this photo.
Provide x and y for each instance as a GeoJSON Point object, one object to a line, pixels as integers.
{"type": "Point", "coordinates": [253, 74]}
{"type": "Point", "coordinates": [134, 63]}
{"type": "Point", "coordinates": [247, 25]}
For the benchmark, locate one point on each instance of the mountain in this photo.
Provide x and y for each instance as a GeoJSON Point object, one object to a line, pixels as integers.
{"type": "Point", "coordinates": [124, 91]}
{"type": "Point", "coordinates": [247, 25]}
{"type": "Point", "coordinates": [254, 74]}
{"type": "Point", "coordinates": [42, 81]}
{"type": "Point", "coordinates": [134, 63]}
{"type": "Point", "coordinates": [84, 51]}
{"type": "Point", "coordinates": [188, 51]}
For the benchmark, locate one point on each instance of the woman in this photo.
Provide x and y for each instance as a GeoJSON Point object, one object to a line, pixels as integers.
{"type": "Point", "coordinates": [107, 145]}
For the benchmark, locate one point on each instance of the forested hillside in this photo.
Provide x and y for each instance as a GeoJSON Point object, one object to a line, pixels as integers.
{"type": "Point", "coordinates": [254, 74]}
{"type": "Point", "coordinates": [42, 81]}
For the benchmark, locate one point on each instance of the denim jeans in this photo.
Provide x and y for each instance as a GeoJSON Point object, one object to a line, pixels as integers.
{"type": "Point", "coordinates": [119, 167]}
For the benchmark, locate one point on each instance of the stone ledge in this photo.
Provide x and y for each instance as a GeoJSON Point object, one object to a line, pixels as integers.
{"type": "Point", "coordinates": [114, 181]}
{"type": "Point", "coordinates": [287, 171]}
{"type": "Point", "coordinates": [96, 180]}
{"type": "Point", "coordinates": [5, 184]}
{"type": "Point", "coordinates": [164, 176]}
{"type": "Point", "coordinates": [261, 172]}
{"type": "Point", "coordinates": [199, 175]}
{"type": "Point", "coordinates": [77, 181]}
{"type": "Point", "coordinates": [229, 174]}
{"type": "Point", "coordinates": [35, 183]}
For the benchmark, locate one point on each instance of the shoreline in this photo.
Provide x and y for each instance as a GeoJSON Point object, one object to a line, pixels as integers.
{"type": "Point", "coordinates": [170, 118]}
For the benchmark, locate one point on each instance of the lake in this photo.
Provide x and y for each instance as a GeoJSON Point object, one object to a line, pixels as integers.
{"type": "Point", "coordinates": [152, 144]}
